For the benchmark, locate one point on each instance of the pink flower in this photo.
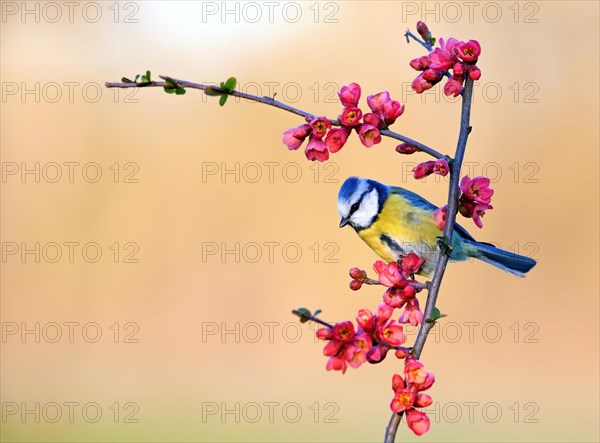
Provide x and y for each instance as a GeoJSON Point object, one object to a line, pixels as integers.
{"type": "Point", "coordinates": [469, 51]}
{"type": "Point", "coordinates": [332, 347]}
{"type": "Point", "coordinates": [477, 189]}
{"type": "Point", "coordinates": [412, 314]}
{"type": "Point", "coordinates": [458, 69]}
{"type": "Point", "coordinates": [392, 334]}
{"type": "Point", "coordinates": [474, 73]}
{"type": "Point", "coordinates": [336, 139]}
{"type": "Point", "coordinates": [391, 111]}
{"type": "Point", "coordinates": [344, 346]}
{"type": "Point", "coordinates": [432, 76]}
{"type": "Point", "coordinates": [424, 169]}
{"type": "Point", "coordinates": [373, 120]}
{"type": "Point", "coordinates": [420, 63]}
{"type": "Point", "coordinates": [397, 297]}
{"type": "Point", "coordinates": [449, 45]}
{"type": "Point", "coordinates": [343, 331]}
{"type": "Point", "coordinates": [377, 101]}
{"type": "Point", "coordinates": [355, 356]}
{"type": "Point", "coordinates": [441, 167]}
{"type": "Point", "coordinates": [351, 116]}
{"type": "Point", "coordinates": [478, 212]}
{"type": "Point", "coordinates": [406, 148]}
{"type": "Point", "coordinates": [415, 374]}
{"type": "Point", "coordinates": [411, 263]}
{"type": "Point", "coordinates": [294, 137]}
{"type": "Point", "coordinates": [350, 94]}
{"type": "Point", "coordinates": [453, 87]}
{"type": "Point", "coordinates": [363, 342]}
{"type": "Point", "coordinates": [366, 320]}
{"type": "Point", "coordinates": [403, 400]}
{"type": "Point", "coordinates": [407, 396]}
{"type": "Point", "coordinates": [324, 333]}
{"type": "Point", "coordinates": [389, 274]}
{"type": "Point", "coordinates": [383, 314]}
{"type": "Point", "coordinates": [320, 126]}
{"type": "Point", "coordinates": [441, 59]}
{"type": "Point", "coordinates": [398, 383]}
{"type": "Point", "coordinates": [377, 353]}
{"type": "Point", "coordinates": [423, 400]}
{"type": "Point", "coordinates": [316, 150]}
{"type": "Point", "coordinates": [420, 84]}
{"type": "Point", "coordinates": [417, 421]}
{"type": "Point", "coordinates": [336, 363]}
{"type": "Point", "coordinates": [439, 216]}
{"type": "Point", "coordinates": [369, 135]}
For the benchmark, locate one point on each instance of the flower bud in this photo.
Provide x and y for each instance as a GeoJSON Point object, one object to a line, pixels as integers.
{"type": "Point", "coordinates": [423, 31]}
{"type": "Point", "coordinates": [355, 285]}
{"type": "Point", "coordinates": [406, 148]}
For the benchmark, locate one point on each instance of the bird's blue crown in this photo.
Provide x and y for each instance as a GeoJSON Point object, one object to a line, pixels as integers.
{"type": "Point", "coordinates": [351, 184]}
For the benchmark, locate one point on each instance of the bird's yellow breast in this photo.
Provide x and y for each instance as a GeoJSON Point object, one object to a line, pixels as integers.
{"type": "Point", "coordinates": [400, 228]}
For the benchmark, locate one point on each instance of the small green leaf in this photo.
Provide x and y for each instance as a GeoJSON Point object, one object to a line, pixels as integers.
{"type": "Point", "coordinates": [230, 84]}
{"type": "Point", "coordinates": [222, 85]}
{"type": "Point", "coordinates": [126, 80]}
{"type": "Point", "coordinates": [146, 77]}
{"type": "Point", "coordinates": [303, 313]}
{"type": "Point", "coordinates": [223, 99]}
{"type": "Point", "coordinates": [170, 90]}
{"type": "Point", "coordinates": [436, 315]}
{"type": "Point", "coordinates": [180, 91]}
{"type": "Point", "coordinates": [170, 82]}
{"type": "Point", "coordinates": [432, 41]}
{"type": "Point", "coordinates": [317, 312]}
{"type": "Point", "coordinates": [136, 77]}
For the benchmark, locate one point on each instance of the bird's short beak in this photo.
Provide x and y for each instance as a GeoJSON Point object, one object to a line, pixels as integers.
{"type": "Point", "coordinates": [343, 222]}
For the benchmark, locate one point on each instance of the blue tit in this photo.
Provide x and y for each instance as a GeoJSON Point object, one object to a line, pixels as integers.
{"type": "Point", "coordinates": [394, 222]}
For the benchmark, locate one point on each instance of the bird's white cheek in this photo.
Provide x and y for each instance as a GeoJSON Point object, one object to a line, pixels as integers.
{"type": "Point", "coordinates": [369, 208]}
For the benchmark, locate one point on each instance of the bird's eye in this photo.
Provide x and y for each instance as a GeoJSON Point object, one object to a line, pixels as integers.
{"type": "Point", "coordinates": [354, 207]}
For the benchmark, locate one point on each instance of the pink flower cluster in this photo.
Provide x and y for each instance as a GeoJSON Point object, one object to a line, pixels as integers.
{"type": "Point", "coordinates": [376, 333]}
{"type": "Point", "coordinates": [459, 57]}
{"type": "Point", "coordinates": [400, 293]}
{"type": "Point", "coordinates": [473, 202]}
{"type": "Point", "coordinates": [408, 394]}
{"type": "Point", "coordinates": [324, 139]}
{"type": "Point", "coordinates": [369, 342]}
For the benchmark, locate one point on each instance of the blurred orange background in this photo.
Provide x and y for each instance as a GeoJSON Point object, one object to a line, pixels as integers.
{"type": "Point", "coordinates": [153, 246]}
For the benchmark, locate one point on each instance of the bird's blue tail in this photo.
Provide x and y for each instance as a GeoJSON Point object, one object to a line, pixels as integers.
{"type": "Point", "coordinates": [516, 264]}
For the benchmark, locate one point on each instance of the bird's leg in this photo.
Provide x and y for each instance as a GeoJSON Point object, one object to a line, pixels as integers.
{"type": "Point", "coordinates": [444, 245]}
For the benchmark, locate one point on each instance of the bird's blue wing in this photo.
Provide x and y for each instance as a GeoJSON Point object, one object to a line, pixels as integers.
{"type": "Point", "coordinates": [420, 202]}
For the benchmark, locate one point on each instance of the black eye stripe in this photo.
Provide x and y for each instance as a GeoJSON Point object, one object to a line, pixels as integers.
{"type": "Point", "coordinates": [356, 205]}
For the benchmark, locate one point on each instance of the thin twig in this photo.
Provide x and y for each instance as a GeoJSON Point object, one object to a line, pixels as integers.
{"type": "Point", "coordinates": [312, 318]}
{"type": "Point", "coordinates": [267, 101]}
{"type": "Point", "coordinates": [440, 267]}
{"type": "Point", "coordinates": [423, 43]}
